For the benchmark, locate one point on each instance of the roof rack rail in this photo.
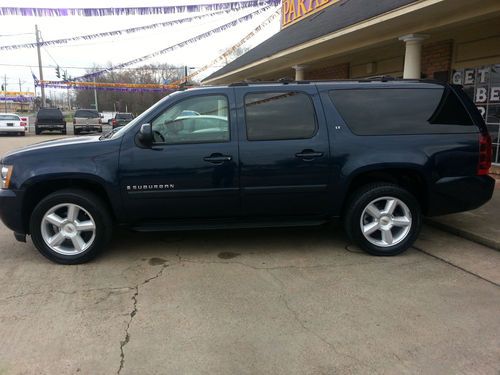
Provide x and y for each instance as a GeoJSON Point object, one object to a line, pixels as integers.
{"type": "Point", "coordinates": [241, 83]}
{"type": "Point", "coordinates": [378, 78]}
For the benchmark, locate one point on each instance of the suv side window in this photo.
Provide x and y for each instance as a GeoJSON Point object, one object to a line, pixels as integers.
{"type": "Point", "coordinates": [402, 111]}
{"type": "Point", "coordinates": [279, 116]}
{"type": "Point", "coordinates": [200, 119]}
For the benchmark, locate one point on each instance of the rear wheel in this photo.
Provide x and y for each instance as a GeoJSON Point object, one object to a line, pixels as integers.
{"type": "Point", "coordinates": [383, 219]}
{"type": "Point", "coordinates": [37, 131]}
{"type": "Point", "coordinates": [77, 131]}
{"type": "Point", "coordinates": [70, 226]}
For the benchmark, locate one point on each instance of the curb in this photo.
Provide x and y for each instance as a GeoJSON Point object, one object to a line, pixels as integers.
{"type": "Point", "coordinates": [492, 244]}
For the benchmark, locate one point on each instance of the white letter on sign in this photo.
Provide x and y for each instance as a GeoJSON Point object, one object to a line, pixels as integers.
{"type": "Point", "coordinates": [481, 95]}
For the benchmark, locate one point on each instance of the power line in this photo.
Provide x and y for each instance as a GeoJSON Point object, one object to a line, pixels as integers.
{"type": "Point", "coordinates": [85, 67]}
{"type": "Point", "coordinates": [17, 34]}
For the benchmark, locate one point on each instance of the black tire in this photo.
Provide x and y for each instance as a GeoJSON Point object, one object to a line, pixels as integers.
{"type": "Point", "coordinates": [89, 202]}
{"type": "Point", "coordinates": [37, 131]}
{"type": "Point", "coordinates": [76, 131]}
{"type": "Point", "coordinates": [64, 132]}
{"type": "Point", "coordinates": [360, 199]}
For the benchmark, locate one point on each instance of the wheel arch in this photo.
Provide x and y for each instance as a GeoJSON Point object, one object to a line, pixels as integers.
{"type": "Point", "coordinates": [38, 190]}
{"type": "Point", "coordinates": [410, 178]}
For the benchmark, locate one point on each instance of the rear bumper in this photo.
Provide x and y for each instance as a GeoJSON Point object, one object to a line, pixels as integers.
{"type": "Point", "coordinates": [13, 129]}
{"type": "Point", "coordinates": [50, 126]}
{"type": "Point", "coordinates": [11, 210]}
{"type": "Point", "coordinates": [456, 194]}
{"type": "Point", "coordinates": [89, 127]}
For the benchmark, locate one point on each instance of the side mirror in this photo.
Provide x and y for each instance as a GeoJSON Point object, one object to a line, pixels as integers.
{"type": "Point", "coordinates": [145, 135]}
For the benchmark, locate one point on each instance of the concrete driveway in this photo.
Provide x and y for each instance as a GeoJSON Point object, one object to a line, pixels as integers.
{"type": "Point", "coordinates": [281, 301]}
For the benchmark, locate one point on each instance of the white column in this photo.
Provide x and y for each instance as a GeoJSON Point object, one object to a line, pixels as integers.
{"type": "Point", "coordinates": [299, 72]}
{"type": "Point", "coordinates": [413, 55]}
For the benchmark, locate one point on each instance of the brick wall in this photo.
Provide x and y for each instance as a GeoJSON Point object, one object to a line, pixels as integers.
{"type": "Point", "coordinates": [340, 71]}
{"type": "Point", "coordinates": [437, 58]}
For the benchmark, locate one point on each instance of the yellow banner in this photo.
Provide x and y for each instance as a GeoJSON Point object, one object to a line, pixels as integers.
{"type": "Point", "coordinates": [17, 93]}
{"type": "Point", "coordinates": [296, 10]}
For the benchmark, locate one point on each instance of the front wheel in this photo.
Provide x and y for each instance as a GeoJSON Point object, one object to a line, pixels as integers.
{"type": "Point", "coordinates": [70, 226]}
{"type": "Point", "coordinates": [383, 219]}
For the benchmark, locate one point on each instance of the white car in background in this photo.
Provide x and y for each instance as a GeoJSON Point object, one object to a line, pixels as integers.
{"type": "Point", "coordinates": [12, 123]}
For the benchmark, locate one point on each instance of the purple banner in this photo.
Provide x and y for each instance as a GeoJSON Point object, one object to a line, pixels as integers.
{"type": "Point", "coordinates": [121, 89]}
{"type": "Point", "coordinates": [132, 11]}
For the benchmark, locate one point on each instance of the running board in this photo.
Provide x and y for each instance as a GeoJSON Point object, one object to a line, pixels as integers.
{"type": "Point", "coordinates": [209, 225]}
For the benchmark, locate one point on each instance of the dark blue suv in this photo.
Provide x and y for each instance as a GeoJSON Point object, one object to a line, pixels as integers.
{"type": "Point", "coordinates": [377, 154]}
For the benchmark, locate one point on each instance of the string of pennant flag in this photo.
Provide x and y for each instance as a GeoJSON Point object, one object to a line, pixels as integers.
{"type": "Point", "coordinates": [116, 32]}
{"type": "Point", "coordinates": [151, 87]}
{"type": "Point", "coordinates": [171, 48]}
{"type": "Point", "coordinates": [133, 11]}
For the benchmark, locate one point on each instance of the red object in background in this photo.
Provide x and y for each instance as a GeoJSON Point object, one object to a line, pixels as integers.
{"type": "Point", "coordinates": [114, 122]}
{"type": "Point", "coordinates": [485, 155]}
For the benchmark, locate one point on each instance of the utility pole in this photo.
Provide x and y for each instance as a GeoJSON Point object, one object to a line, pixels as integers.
{"type": "Point", "coordinates": [20, 93]}
{"type": "Point", "coordinates": [40, 69]}
{"type": "Point", "coordinates": [5, 91]}
{"type": "Point", "coordinates": [95, 97]}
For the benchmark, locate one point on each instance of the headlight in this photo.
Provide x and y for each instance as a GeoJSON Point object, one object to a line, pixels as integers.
{"type": "Point", "coordinates": [5, 174]}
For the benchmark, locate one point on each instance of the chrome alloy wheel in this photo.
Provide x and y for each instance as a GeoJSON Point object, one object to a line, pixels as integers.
{"type": "Point", "coordinates": [386, 221]}
{"type": "Point", "coordinates": [68, 229]}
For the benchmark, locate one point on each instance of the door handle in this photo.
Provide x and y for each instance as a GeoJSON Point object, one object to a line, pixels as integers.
{"type": "Point", "coordinates": [308, 155]}
{"type": "Point", "coordinates": [217, 158]}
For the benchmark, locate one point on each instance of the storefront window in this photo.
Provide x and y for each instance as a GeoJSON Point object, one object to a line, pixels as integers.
{"type": "Point", "coordinates": [482, 84]}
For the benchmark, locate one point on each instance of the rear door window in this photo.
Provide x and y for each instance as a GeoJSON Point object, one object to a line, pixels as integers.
{"type": "Point", "coordinates": [402, 111]}
{"type": "Point", "coordinates": [279, 116]}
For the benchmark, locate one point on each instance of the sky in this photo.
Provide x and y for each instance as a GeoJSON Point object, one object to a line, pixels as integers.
{"type": "Point", "coordinates": [77, 56]}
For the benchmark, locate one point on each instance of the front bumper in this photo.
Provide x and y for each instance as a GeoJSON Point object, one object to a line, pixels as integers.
{"type": "Point", "coordinates": [11, 210]}
{"type": "Point", "coordinates": [457, 194]}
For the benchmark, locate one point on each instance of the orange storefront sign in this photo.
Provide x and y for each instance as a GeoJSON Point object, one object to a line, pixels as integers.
{"type": "Point", "coordinates": [296, 10]}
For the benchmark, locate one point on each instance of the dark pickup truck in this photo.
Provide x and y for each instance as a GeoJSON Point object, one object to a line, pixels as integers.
{"type": "Point", "coordinates": [376, 154]}
{"type": "Point", "coordinates": [50, 119]}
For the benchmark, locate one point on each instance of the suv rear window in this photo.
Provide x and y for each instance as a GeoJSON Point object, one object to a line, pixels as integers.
{"type": "Point", "coordinates": [279, 116]}
{"type": "Point", "coordinates": [402, 111]}
{"type": "Point", "coordinates": [124, 116]}
{"type": "Point", "coordinates": [52, 113]}
{"type": "Point", "coordinates": [86, 114]}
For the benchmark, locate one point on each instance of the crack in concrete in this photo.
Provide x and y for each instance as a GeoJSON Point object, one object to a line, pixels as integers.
{"type": "Point", "coordinates": [455, 265]}
{"type": "Point", "coordinates": [133, 313]}
{"type": "Point", "coordinates": [335, 265]}
{"type": "Point", "coordinates": [109, 289]}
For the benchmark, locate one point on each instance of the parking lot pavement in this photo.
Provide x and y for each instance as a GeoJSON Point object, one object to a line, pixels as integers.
{"type": "Point", "coordinates": [280, 301]}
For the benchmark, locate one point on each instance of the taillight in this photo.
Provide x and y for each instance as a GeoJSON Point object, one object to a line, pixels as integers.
{"type": "Point", "coordinates": [485, 154]}
{"type": "Point", "coordinates": [114, 122]}
{"type": "Point", "coordinates": [24, 123]}
{"type": "Point", "coordinates": [74, 122]}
